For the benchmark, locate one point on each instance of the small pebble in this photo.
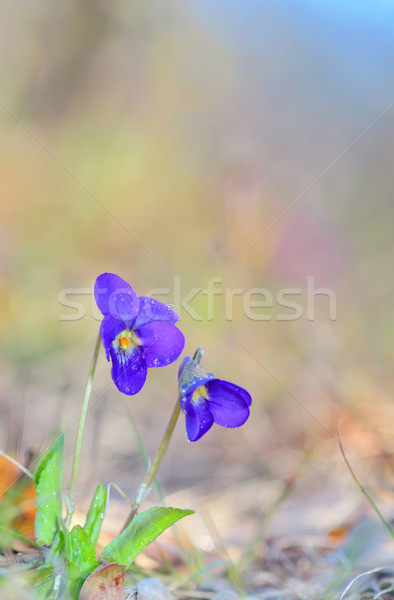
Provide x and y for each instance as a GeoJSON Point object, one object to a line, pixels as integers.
{"type": "Point", "coordinates": [153, 589]}
{"type": "Point", "coordinates": [226, 595]}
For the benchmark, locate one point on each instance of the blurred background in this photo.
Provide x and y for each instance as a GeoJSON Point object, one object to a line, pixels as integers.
{"type": "Point", "coordinates": [173, 143]}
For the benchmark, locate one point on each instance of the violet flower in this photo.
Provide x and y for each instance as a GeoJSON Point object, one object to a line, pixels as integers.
{"type": "Point", "coordinates": [137, 332]}
{"type": "Point", "coordinates": [206, 400]}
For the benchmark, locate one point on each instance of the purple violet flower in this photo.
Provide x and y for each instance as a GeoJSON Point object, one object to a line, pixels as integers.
{"type": "Point", "coordinates": [137, 332]}
{"type": "Point", "coordinates": [206, 400]}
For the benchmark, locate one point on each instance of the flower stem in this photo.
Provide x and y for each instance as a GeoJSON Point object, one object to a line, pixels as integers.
{"type": "Point", "coordinates": [144, 488]}
{"type": "Point", "coordinates": [145, 485]}
{"type": "Point", "coordinates": [72, 499]}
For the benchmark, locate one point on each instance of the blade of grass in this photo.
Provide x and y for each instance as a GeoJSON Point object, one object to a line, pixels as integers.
{"type": "Point", "coordinates": [17, 464]}
{"type": "Point", "coordinates": [177, 586]}
{"type": "Point", "coordinates": [141, 449]}
{"type": "Point", "coordinates": [120, 492]}
{"type": "Point", "coordinates": [370, 572]}
{"type": "Point", "coordinates": [361, 487]}
{"type": "Point", "coordinates": [233, 572]}
{"type": "Point", "coordinates": [284, 492]}
{"type": "Point", "coordinates": [19, 536]}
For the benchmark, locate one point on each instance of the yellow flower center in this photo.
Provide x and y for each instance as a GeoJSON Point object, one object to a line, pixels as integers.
{"type": "Point", "coordinates": [124, 342]}
{"type": "Point", "coordinates": [200, 393]}
{"type": "Point", "coordinates": [127, 337]}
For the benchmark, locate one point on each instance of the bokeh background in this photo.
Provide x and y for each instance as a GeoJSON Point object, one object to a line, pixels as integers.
{"type": "Point", "coordinates": [175, 142]}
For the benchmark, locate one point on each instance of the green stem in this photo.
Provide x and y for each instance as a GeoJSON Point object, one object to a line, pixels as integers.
{"type": "Point", "coordinates": [78, 440]}
{"type": "Point", "coordinates": [146, 484]}
{"type": "Point", "coordinates": [150, 476]}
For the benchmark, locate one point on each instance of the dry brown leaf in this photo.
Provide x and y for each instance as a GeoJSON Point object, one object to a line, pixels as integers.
{"type": "Point", "coordinates": [105, 583]}
{"type": "Point", "coordinates": [19, 492]}
{"type": "Point", "coordinates": [9, 474]}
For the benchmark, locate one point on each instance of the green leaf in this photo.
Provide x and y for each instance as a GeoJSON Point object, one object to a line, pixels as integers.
{"type": "Point", "coordinates": [95, 515]}
{"type": "Point", "coordinates": [142, 530]}
{"type": "Point", "coordinates": [48, 483]}
{"type": "Point", "coordinates": [57, 547]}
{"type": "Point", "coordinates": [81, 560]}
{"type": "Point", "coordinates": [74, 581]}
{"type": "Point", "coordinates": [80, 551]}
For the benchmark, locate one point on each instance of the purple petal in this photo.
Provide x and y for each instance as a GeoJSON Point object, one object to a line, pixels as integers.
{"type": "Point", "coordinates": [115, 297]}
{"type": "Point", "coordinates": [151, 309]}
{"type": "Point", "coordinates": [128, 370]}
{"type": "Point", "coordinates": [161, 343]}
{"type": "Point", "coordinates": [198, 419]}
{"type": "Point", "coordinates": [189, 387]}
{"type": "Point", "coordinates": [228, 403]}
{"type": "Point", "coordinates": [110, 328]}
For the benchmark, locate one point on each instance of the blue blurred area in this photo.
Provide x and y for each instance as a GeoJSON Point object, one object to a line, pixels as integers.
{"type": "Point", "coordinates": [348, 45]}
